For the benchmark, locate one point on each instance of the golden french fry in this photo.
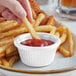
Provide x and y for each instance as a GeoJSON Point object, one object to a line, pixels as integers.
{"type": "Point", "coordinates": [39, 19]}
{"type": "Point", "coordinates": [35, 6]}
{"type": "Point", "coordinates": [2, 55]}
{"type": "Point", "coordinates": [70, 42]}
{"type": "Point", "coordinates": [34, 14]}
{"type": "Point", "coordinates": [6, 41]}
{"type": "Point", "coordinates": [12, 54]}
{"type": "Point", "coordinates": [61, 29]}
{"type": "Point", "coordinates": [2, 24]}
{"type": "Point", "coordinates": [2, 19]}
{"type": "Point", "coordinates": [57, 34]}
{"type": "Point", "coordinates": [44, 21]}
{"type": "Point", "coordinates": [11, 50]}
{"type": "Point", "coordinates": [51, 21]}
{"type": "Point", "coordinates": [12, 60]}
{"type": "Point", "coordinates": [22, 29]}
{"type": "Point", "coordinates": [63, 37]}
{"type": "Point", "coordinates": [30, 28]}
{"type": "Point", "coordinates": [3, 50]}
{"type": "Point", "coordinates": [14, 32]}
{"type": "Point", "coordinates": [44, 28]}
{"type": "Point", "coordinates": [5, 62]}
{"type": "Point", "coordinates": [0, 62]}
{"type": "Point", "coordinates": [63, 51]}
{"type": "Point", "coordinates": [33, 22]}
{"type": "Point", "coordinates": [53, 31]}
{"type": "Point", "coordinates": [7, 25]}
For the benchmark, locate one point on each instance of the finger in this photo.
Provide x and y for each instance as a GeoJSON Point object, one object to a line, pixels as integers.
{"type": "Point", "coordinates": [27, 7]}
{"type": "Point", "coordinates": [1, 8]}
{"type": "Point", "coordinates": [15, 7]}
{"type": "Point", "coordinates": [8, 15]}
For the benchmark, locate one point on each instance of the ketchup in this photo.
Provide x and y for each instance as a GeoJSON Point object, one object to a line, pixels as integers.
{"type": "Point", "coordinates": [37, 43]}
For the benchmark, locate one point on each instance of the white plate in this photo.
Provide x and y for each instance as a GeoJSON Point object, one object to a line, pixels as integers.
{"type": "Point", "coordinates": [59, 62]}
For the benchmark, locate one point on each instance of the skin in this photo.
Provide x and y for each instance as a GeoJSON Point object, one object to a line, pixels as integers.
{"type": "Point", "coordinates": [15, 10]}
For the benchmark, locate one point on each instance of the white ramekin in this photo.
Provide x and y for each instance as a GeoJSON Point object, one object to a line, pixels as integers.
{"type": "Point", "coordinates": [37, 56]}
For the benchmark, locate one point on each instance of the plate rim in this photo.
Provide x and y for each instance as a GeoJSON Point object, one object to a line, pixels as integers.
{"type": "Point", "coordinates": [55, 71]}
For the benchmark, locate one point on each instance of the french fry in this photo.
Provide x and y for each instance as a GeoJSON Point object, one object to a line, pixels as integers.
{"type": "Point", "coordinates": [20, 30]}
{"type": "Point", "coordinates": [14, 32]}
{"type": "Point", "coordinates": [31, 29]}
{"type": "Point", "coordinates": [0, 62]}
{"type": "Point", "coordinates": [63, 37]}
{"type": "Point", "coordinates": [57, 34]}
{"type": "Point", "coordinates": [5, 41]}
{"type": "Point", "coordinates": [2, 54]}
{"type": "Point", "coordinates": [3, 49]}
{"type": "Point", "coordinates": [40, 17]}
{"type": "Point", "coordinates": [44, 21]}
{"type": "Point", "coordinates": [70, 42]}
{"type": "Point", "coordinates": [51, 21]}
{"type": "Point", "coordinates": [2, 24]}
{"type": "Point", "coordinates": [5, 62]}
{"type": "Point", "coordinates": [35, 6]}
{"type": "Point", "coordinates": [12, 60]}
{"type": "Point", "coordinates": [63, 51]}
{"type": "Point", "coordinates": [2, 19]}
{"type": "Point", "coordinates": [11, 50]}
{"type": "Point", "coordinates": [44, 28]}
{"type": "Point", "coordinates": [34, 14]}
{"type": "Point", "coordinates": [8, 25]}
{"type": "Point", "coordinates": [12, 54]}
{"type": "Point", "coordinates": [33, 22]}
{"type": "Point", "coordinates": [53, 31]}
{"type": "Point", "coordinates": [61, 29]}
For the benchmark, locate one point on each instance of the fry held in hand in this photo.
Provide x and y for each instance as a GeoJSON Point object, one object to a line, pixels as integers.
{"type": "Point", "coordinates": [31, 29]}
{"type": "Point", "coordinates": [34, 14]}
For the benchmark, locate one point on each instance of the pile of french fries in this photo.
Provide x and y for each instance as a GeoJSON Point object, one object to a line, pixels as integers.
{"type": "Point", "coordinates": [41, 23]}
{"type": "Point", "coordinates": [10, 29]}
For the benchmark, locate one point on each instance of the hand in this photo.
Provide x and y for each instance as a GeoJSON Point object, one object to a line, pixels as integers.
{"type": "Point", "coordinates": [15, 9]}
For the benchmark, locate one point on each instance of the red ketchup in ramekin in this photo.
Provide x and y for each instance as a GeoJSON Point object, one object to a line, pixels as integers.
{"type": "Point", "coordinates": [37, 43]}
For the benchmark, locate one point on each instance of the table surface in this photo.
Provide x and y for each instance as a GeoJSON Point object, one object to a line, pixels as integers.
{"type": "Point", "coordinates": [72, 26]}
